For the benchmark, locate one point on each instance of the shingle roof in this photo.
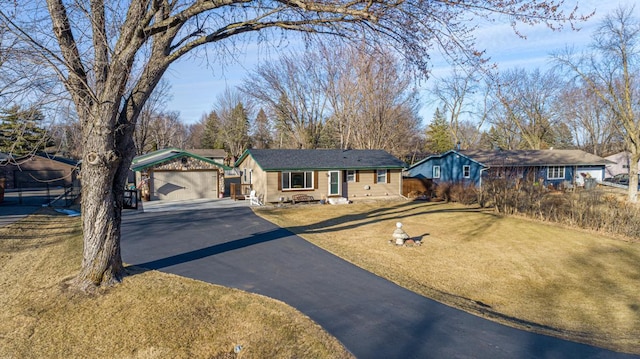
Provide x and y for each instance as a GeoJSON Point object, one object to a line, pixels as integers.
{"type": "Point", "coordinates": [67, 161]}
{"type": "Point", "coordinates": [516, 158]}
{"type": "Point", "coordinates": [209, 152]}
{"type": "Point", "coordinates": [322, 159]}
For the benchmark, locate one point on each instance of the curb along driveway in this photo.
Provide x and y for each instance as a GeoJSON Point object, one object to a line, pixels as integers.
{"type": "Point", "coordinates": [371, 316]}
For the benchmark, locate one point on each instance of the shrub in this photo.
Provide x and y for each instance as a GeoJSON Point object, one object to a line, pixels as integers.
{"type": "Point", "coordinates": [443, 191]}
{"type": "Point", "coordinates": [589, 209]}
{"type": "Point", "coordinates": [457, 192]}
{"type": "Point", "coordinates": [465, 194]}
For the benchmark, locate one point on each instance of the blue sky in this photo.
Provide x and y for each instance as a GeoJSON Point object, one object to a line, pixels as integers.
{"type": "Point", "coordinates": [195, 87]}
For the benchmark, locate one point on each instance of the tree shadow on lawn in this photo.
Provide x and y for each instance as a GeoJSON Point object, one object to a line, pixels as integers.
{"type": "Point", "coordinates": [396, 213]}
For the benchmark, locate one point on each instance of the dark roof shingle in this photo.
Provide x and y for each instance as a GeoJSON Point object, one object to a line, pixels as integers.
{"type": "Point", "coordinates": [322, 159]}
{"type": "Point", "coordinates": [502, 158]}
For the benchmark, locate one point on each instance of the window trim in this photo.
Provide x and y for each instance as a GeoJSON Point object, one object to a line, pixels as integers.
{"type": "Point", "coordinates": [466, 171]}
{"type": "Point", "coordinates": [338, 183]}
{"type": "Point", "coordinates": [286, 175]}
{"type": "Point", "coordinates": [561, 170]}
{"type": "Point", "coordinates": [353, 174]}
{"type": "Point", "coordinates": [436, 173]}
{"type": "Point", "coordinates": [384, 176]}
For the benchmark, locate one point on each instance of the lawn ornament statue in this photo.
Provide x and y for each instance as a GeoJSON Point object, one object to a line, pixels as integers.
{"type": "Point", "coordinates": [399, 235]}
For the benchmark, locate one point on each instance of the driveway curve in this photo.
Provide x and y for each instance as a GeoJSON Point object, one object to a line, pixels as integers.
{"type": "Point", "coordinates": [371, 316]}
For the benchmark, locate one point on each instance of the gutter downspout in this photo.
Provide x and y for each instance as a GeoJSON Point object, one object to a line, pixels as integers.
{"type": "Point", "coordinates": [482, 170]}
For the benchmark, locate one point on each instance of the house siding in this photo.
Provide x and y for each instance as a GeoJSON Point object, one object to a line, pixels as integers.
{"type": "Point", "coordinates": [515, 165]}
{"type": "Point", "coordinates": [351, 190]}
{"type": "Point", "coordinates": [620, 166]}
{"type": "Point", "coordinates": [267, 183]}
{"type": "Point", "coordinates": [451, 169]}
{"type": "Point", "coordinates": [257, 179]}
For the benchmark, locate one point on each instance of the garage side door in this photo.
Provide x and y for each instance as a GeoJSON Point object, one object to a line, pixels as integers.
{"type": "Point", "coordinates": [179, 185]}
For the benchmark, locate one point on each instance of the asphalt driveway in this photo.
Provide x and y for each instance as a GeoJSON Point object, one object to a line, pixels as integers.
{"type": "Point", "coordinates": [371, 316]}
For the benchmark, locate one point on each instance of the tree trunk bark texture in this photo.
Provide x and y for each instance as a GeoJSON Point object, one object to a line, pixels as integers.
{"type": "Point", "coordinates": [633, 176]}
{"type": "Point", "coordinates": [102, 195]}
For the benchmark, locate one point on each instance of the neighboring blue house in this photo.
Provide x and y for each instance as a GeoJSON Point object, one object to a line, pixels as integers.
{"type": "Point", "coordinates": [449, 167]}
{"type": "Point", "coordinates": [550, 167]}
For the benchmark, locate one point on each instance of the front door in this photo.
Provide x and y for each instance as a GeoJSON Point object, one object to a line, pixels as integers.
{"type": "Point", "coordinates": [334, 183]}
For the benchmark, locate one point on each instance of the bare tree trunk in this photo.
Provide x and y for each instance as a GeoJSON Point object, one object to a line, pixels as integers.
{"type": "Point", "coordinates": [108, 150]}
{"type": "Point", "coordinates": [102, 196]}
{"type": "Point", "coordinates": [633, 175]}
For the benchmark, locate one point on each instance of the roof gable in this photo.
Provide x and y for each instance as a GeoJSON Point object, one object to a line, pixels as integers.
{"type": "Point", "coordinates": [321, 159]}
{"type": "Point", "coordinates": [445, 154]}
{"type": "Point", "coordinates": [161, 156]}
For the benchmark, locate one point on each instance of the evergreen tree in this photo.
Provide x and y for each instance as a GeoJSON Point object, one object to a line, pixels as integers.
{"type": "Point", "coordinates": [211, 134]}
{"type": "Point", "coordinates": [21, 131]}
{"type": "Point", "coordinates": [563, 137]}
{"type": "Point", "coordinates": [236, 131]}
{"type": "Point", "coordinates": [262, 136]}
{"type": "Point", "coordinates": [438, 134]}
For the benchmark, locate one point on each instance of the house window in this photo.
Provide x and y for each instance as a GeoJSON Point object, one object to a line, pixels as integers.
{"type": "Point", "coordinates": [246, 176]}
{"type": "Point", "coordinates": [436, 171]}
{"type": "Point", "coordinates": [555, 172]}
{"type": "Point", "coordinates": [381, 176]}
{"type": "Point", "coordinates": [297, 180]}
{"type": "Point", "coordinates": [466, 171]}
{"type": "Point", "coordinates": [351, 176]}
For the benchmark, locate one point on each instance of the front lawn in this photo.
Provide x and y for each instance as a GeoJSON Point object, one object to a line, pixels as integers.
{"type": "Point", "coordinates": [149, 315]}
{"type": "Point", "coordinates": [555, 280]}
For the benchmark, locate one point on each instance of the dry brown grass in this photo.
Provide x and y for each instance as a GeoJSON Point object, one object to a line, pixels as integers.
{"type": "Point", "coordinates": [149, 315]}
{"type": "Point", "coordinates": [537, 276]}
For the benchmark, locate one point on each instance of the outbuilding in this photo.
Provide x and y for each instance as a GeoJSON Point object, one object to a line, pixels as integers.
{"type": "Point", "coordinates": [175, 174]}
{"type": "Point", "coordinates": [38, 171]}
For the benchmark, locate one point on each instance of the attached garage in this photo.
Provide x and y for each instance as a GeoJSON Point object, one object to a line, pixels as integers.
{"type": "Point", "coordinates": [174, 174]}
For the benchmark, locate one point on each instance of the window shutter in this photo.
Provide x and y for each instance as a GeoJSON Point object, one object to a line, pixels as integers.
{"type": "Point", "coordinates": [388, 176]}
{"type": "Point", "coordinates": [357, 175]}
{"type": "Point", "coordinates": [279, 181]}
{"type": "Point", "coordinates": [375, 176]}
{"type": "Point", "coordinates": [315, 179]}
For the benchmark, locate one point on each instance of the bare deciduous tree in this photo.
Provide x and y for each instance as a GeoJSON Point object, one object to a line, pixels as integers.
{"type": "Point", "coordinates": [166, 130]}
{"type": "Point", "coordinates": [385, 115]}
{"type": "Point", "coordinates": [455, 96]}
{"type": "Point", "coordinates": [345, 96]}
{"type": "Point", "coordinates": [611, 72]}
{"type": "Point", "coordinates": [591, 120]}
{"type": "Point", "coordinates": [290, 88]}
{"type": "Point", "coordinates": [111, 55]}
{"type": "Point", "coordinates": [151, 111]}
{"type": "Point", "coordinates": [233, 126]}
{"type": "Point", "coordinates": [525, 103]}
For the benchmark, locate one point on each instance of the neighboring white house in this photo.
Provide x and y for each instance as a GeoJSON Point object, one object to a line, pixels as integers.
{"type": "Point", "coordinates": [620, 165]}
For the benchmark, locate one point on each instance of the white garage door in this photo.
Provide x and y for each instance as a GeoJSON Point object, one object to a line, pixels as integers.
{"type": "Point", "coordinates": [179, 185]}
